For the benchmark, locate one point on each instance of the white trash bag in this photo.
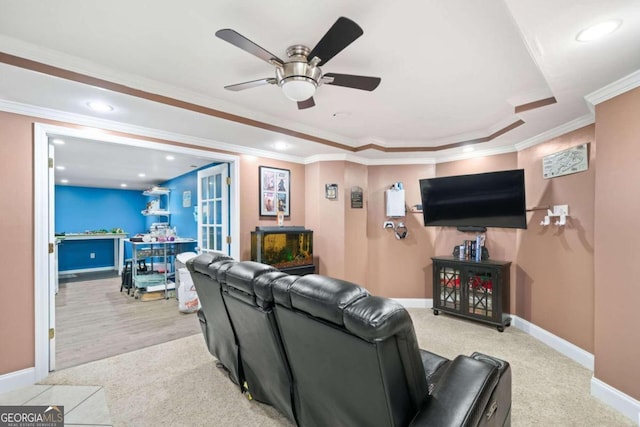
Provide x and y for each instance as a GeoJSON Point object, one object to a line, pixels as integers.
{"type": "Point", "coordinates": [188, 301]}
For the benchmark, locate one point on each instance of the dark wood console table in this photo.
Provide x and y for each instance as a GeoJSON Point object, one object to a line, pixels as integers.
{"type": "Point", "coordinates": [471, 289]}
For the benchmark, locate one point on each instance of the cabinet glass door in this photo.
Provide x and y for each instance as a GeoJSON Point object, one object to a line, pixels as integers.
{"type": "Point", "coordinates": [449, 288]}
{"type": "Point", "coordinates": [480, 292]}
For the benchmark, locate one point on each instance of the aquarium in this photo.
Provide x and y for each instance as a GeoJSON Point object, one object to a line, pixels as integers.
{"type": "Point", "coordinates": [289, 249]}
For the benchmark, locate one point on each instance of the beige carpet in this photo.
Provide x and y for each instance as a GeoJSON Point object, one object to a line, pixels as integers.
{"type": "Point", "coordinates": [177, 384]}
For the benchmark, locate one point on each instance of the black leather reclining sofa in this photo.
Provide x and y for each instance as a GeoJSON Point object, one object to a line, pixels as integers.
{"type": "Point", "coordinates": [325, 352]}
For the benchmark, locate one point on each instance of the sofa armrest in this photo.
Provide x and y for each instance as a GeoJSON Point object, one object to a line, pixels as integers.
{"type": "Point", "coordinates": [462, 396]}
{"type": "Point", "coordinates": [434, 365]}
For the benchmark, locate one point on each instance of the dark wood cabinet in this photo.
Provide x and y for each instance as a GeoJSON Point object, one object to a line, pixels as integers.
{"type": "Point", "coordinates": [472, 289]}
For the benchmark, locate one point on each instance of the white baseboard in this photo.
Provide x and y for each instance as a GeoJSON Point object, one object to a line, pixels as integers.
{"type": "Point", "coordinates": [87, 270]}
{"type": "Point", "coordinates": [561, 345]}
{"type": "Point", "coordinates": [618, 400]}
{"type": "Point", "coordinates": [415, 302]}
{"type": "Point", "coordinates": [17, 379]}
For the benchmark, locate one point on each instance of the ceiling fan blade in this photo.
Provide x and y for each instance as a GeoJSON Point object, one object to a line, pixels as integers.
{"type": "Point", "coordinates": [244, 43]}
{"type": "Point", "coordinates": [355, 82]}
{"type": "Point", "coordinates": [253, 83]}
{"type": "Point", "coordinates": [343, 32]}
{"type": "Point", "coordinates": [303, 105]}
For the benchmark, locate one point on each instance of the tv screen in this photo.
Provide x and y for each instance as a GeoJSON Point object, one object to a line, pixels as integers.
{"type": "Point", "coordinates": [493, 199]}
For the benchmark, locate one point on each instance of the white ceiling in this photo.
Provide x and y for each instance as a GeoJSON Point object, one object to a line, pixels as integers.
{"type": "Point", "coordinates": [451, 71]}
{"type": "Point", "coordinates": [91, 163]}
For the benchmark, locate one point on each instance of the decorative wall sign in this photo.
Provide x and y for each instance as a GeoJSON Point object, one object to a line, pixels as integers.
{"type": "Point", "coordinates": [274, 191]}
{"type": "Point", "coordinates": [186, 199]}
{"type": "Point", "coordinates": [357, 201]}
{"type": "Point", "coordinates": [331, 191]}
{"type": "Point", "coordinates": [572, 160]}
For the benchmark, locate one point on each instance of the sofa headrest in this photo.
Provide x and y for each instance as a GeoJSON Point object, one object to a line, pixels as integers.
{"type": "Point", "coordinates": [218, 269]}
{"type": "Point", "coordinates": [201, 262]}
{"type": "Point", "coordinates": [280, 288]}
{"type": "Point", "coordinates": [376, 318]}
{"type": "Point", "coordinates": [240, 276]}
{"type": "Point", "coordinates": [263, 287]}
{"type": "Point", "coordinates": [324, 297]}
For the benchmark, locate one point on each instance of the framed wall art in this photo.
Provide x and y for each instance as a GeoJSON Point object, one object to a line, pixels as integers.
{"type": "Point", "coordinates": [275, 194]}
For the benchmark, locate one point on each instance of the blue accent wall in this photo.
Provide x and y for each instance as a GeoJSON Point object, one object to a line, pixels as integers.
{"type": "Point", "coordinates": [181, 217]}
{"type": "Point", "coordinates": [76, 254]}
{"type": "Point", "coordinates": [80, 209]}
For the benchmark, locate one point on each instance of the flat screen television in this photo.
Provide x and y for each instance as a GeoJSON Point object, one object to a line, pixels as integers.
{"type": "Point", "coordinates": [493, 199]}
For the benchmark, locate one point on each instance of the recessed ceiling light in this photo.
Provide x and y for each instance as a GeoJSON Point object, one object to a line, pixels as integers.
{"type": "Point", "coordinates": [123, 185]}
{"type": "Point", "coordinates": [64, 181]}
{"type": "Point", "coordinates": [170, 157]}
{"type": "Point", "coordinates": [468, 149]}
{"type": "Point", "coordinates": [141, 175]}
{"type": "Point", "coordinates": [58, 141]}
{"type": "Point", "coordinates": [597, 31]}
{"type": "Point", "coordinates": [280, 145]}
{"type": "Point", "coordinates": [60, 168]}
{"type": "Point", "coordinates": [100, 107]}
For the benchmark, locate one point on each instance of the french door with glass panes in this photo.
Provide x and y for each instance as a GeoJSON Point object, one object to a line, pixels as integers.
{"type": "Point", "coordinates": [213, 209]}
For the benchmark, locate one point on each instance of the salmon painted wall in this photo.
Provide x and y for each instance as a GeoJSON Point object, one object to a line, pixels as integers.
{"type": "Point", "coordinates": [356, 255]}
{"type": "Point", "coordinates": [249, 198]}
{"type": "Point", "coordinates": [398, 268]}
{"type": "Point", "coordinates": [327, 217]}
{"type": "Point", "coordinates": [554, 286]}
{"type": "Point", "coordinates": [500, 242]}
{"type": "Point", "coordinates": [16, 255]}
{"type": "Point", "coordinates": [617, 243]}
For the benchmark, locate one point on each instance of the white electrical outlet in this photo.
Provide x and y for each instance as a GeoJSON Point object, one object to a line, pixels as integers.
{"type": "Point", "coordinates": [560, 210]}
{"type": "Point", "coordinates": [92, 255]}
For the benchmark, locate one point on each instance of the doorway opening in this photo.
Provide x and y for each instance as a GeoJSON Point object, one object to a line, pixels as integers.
{"type": "Point", "coordinates": [44, 234]}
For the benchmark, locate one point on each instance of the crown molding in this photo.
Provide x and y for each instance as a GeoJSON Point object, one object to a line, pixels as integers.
{"type": "Point", "coordinates": [480, 153]}
{"type": "Point", "coordinates": [405, 161]}
{"type": "Point", "coordinates": [342, 157]}
{"type": "Point", "coordinates": [614, 89]}
{"type": "Point", "coordinates": [133, 130]}
{"type": "Point", "coordinates": [78, 119]}
{"type": "Point", "coordinates": [578, 123]}
{"type": "Point", "coordinates": [368, 162]}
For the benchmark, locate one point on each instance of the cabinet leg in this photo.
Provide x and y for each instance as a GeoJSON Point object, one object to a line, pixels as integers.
{"type": "Point", "coordinates": [435, 312]}
{"type": "Point", "coordinates": [500, 328]}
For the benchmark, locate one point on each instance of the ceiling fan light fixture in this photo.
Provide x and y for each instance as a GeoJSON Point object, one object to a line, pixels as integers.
{"type": "Point", "coordinates": [298, 88]}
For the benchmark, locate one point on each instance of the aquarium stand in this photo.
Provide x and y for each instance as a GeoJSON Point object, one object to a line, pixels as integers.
{"type": "Point", "coordinates": [289, 249]}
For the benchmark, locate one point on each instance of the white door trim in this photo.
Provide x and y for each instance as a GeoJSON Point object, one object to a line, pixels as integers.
{"type": "Point", "coordinates": [40, 249]}
{"type": "Point", "coordinates": [41, 229]}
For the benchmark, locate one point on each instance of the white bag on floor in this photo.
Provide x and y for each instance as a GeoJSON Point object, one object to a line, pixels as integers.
{"type": "Point", "coordinates": [188, 301]}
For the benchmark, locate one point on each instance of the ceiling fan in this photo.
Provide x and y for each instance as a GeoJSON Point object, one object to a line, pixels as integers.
{"type": "Point", "coordinates": [300, 75]}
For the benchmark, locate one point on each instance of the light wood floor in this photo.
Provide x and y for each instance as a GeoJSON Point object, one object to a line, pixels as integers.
{"type": "Point", "coordinates": [94, 321]}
